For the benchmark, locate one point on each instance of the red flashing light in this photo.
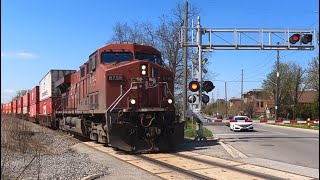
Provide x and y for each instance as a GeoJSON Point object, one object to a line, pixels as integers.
{"type": "Point", "coordinates": [294, 38]}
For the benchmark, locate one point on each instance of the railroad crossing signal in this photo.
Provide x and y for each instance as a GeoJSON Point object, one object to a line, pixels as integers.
{"type": "Point", "coordinates": [194, 86]}
{"type": "Point", "coordinates": [192, 99]}
{"type": "Point", "coordinates": [305, 39]}
{"type": "Point", "coordinates": [207, 86]}
{"type": "Point", "coordinates": [237, 39]}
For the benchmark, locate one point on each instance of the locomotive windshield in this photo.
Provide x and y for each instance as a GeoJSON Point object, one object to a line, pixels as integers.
{"type": "Point", "coordinates": [151, 57]}
{"type": "Point", "coordinates": [108, 57]}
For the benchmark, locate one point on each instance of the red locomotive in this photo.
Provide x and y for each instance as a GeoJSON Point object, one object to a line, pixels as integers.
{"type": "Point", "coordinates": [121, 96]}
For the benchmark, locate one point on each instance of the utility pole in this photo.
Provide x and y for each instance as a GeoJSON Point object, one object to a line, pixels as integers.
{"type": "Point", "coordinates": [241, 104]}
{"type": "Point", "coordinates": [277, 86]}
{"type": "Point", "coordinates": [217, 101]}
{"type": "Point", "coordinates": [185, 54]}
{"type": "Point", "coordinates": [225, 91]}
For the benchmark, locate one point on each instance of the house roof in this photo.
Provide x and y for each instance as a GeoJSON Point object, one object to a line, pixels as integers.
{"type": "Point", "coordinates": [307, 97]}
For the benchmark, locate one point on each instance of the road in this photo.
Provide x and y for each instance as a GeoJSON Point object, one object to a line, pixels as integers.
{"type": "Point", "coordinates": [282, 144]}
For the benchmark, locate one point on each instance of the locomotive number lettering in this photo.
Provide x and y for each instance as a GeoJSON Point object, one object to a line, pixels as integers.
{"type": "Point", "coordinates": [167, 78]}
{"type": "Point", "coordinates": [115, 78]}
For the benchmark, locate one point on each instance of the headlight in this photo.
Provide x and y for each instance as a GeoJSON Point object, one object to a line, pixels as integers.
{"type": "Point", "coordinates": [144, 70]}
{"type": "Point", "coordinates": [133, 101]}
{"type": "Point", "coordinates": [170, 101]}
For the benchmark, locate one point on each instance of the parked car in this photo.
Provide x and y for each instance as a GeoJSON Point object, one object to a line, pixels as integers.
{"type": "Point", "coordinates": [239, 123]}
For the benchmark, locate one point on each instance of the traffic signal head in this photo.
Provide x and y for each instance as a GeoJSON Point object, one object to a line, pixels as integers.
{"type": "Point", "coordinates": [306, 38]}
{"type": "Point", "coordinates": [207, 86]}
{"type": "Point", "coordinates": [194, 86]}
{"type": "Point", "coordinates": [294, 38]}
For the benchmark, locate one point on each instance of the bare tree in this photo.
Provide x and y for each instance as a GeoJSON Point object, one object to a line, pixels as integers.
{"type": "Point", "coordinates": [20, 94]}
{"type": "Point", "coordinates": [164, 37]}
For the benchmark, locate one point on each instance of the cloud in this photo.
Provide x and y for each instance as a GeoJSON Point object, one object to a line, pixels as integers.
{"type": "Point", "coordinates": [7, 94]}
{"type": "Point", "coordinates": [18, 55]}
{"type": "Point", "coordinates": [9, 91]}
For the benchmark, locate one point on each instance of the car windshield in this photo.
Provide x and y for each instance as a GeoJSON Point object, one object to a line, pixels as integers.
{"type": "Point", "coordinates": [108, 57]}
{"type": "Point", "coordinates": [150, 57]}
{"type": "Point", "coordinates": [240, 118]}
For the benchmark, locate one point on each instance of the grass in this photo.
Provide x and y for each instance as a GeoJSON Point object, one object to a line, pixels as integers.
{"type": "Point", "coordinates": [303, 126]}
{"type": "Point", "coordinates": [191, 130]}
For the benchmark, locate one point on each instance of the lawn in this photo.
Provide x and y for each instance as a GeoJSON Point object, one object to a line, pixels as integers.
{"type": "Point", "coordinates": [303, 126]}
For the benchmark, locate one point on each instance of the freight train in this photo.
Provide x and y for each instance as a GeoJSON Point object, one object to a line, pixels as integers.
{"type": "Point", "coordinates": [122, 96]}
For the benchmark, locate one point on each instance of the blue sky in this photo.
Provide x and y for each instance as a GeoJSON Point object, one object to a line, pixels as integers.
{"type": "Point", "coordinates": [37, 36]}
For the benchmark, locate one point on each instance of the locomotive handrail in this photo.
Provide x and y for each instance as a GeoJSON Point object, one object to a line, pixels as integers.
{"type": "Point", "coordinates": [167, 87]}
{"type": "Point", "coordinates": [119, 98]}
{"type": "Point", "coordinates": [115, 103]}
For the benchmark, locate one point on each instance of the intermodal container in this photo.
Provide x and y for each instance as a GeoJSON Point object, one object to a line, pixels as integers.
{"type": "Point", "coordinates": [10, 107]}
{"type": "Point", "coordinates": [34, 95]}
{"type": "Point", "coordinates": [47, 83]}
{"type": "Point", "coordinates": [72, 99]}
{"type": "Point", "coordinates": [19, 105]}
{"type": "Point", "coordinates": [33, 110]}
{"type": "Point", "coordinates": [26, 103]}
{"type": "Point", "coordinates": [14, 106]}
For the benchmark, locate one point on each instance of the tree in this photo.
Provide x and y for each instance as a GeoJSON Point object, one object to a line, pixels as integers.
{"type": "Point", "coordinates": [291, 85]}
{"type": "Point", "coordinates": [19, 94]}
{"type": "Point", "coordinates": [164, 37]}
{"type": "Point", "coordinates": [313, 82]}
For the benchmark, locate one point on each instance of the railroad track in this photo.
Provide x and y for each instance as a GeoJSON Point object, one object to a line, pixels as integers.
{"type": "Point", "coordinates": [191, 165]}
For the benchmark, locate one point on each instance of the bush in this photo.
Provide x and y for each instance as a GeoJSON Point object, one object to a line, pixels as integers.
{"type": "Point", "coordinates": [191, 130]}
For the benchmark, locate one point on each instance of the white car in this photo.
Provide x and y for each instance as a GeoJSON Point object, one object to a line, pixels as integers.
{"type": "Point", "coordinates": [239, 123]}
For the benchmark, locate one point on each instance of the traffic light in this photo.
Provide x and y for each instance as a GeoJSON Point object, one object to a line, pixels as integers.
{"type": "Point", "coordinates": [207, 86]}
{"type": "Point", "coordinates": [306, 38]}
{"type": "Point", "coordinates": [294, 38]}
{"type": "Point", "coordinates": [194, 86]}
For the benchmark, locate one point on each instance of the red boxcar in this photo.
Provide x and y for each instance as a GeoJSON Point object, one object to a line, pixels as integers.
{"type": "Point", "coordinates": [19, 107]}
{"type": "Point", "coordinates": [26, 104]}
{"type": "Point", "coordinates": [34, 104]}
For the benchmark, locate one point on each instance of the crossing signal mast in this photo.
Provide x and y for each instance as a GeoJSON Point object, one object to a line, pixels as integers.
{"type": "Point", "coordinates": [209, 39]}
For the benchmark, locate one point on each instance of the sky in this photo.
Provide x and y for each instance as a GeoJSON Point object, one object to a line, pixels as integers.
{"type": "Point", "coordinates": [37, 36]}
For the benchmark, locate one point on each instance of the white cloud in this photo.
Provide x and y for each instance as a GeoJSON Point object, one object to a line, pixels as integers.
{"type": "Point", "coordinates": [7, 94]}
{"type": "Point", "coordinates": [18, 55]}
{"type": "Point", "coordinates": [9, 91]}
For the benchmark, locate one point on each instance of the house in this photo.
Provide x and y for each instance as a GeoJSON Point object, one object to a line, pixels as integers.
{"type": "Point", "coordinates": [258, 102]}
